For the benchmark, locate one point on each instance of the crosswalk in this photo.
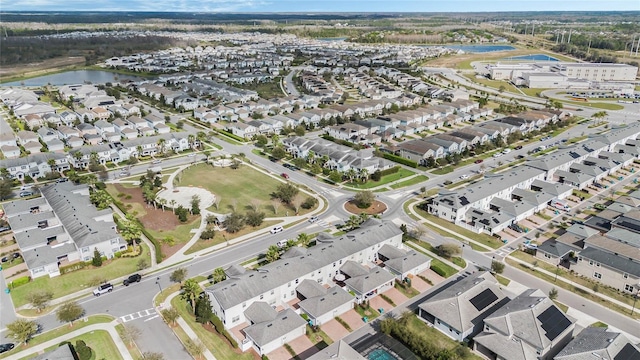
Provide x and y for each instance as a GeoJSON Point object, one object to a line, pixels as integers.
{"type": "Point", "coordinates": [139, 315]}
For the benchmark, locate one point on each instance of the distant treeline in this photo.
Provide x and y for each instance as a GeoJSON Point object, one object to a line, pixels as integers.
{"type": "Point", "coordinates": [23, 50]}
{"type": "Point", "coordinates": [582, 54]}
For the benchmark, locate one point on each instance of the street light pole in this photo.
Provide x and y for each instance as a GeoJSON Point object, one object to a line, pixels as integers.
{"type": "Point", "coordinates": [158, 283]}
{"type": "Point", "coordinates": [557, 269]}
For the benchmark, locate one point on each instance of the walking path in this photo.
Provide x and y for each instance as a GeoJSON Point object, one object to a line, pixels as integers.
{"type": "Point", "coordinates": [436, 256]}
{"type": "Point", "coordinates": [108, 327]}
{"type": "Point", "coordinates": [185, 327]}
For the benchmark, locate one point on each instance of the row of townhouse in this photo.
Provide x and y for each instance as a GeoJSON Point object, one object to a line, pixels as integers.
{"type": "Point", "coordinates": [409, 82]}
{"type": "Point", "coordinates": [60, 228]}
{"type": "Point", "coordinates": [243, 110]}
{"type": "Point", "coordinates": [370, 87]}
{"type": "Point", "coordinates": [225, 93]}
{"type": "Point", "coordinates": [441, 145]}
{"type": "Point", "coordinates": [324, 281]}
{"type": "Point", "coordinates": [501, 199]}
{"type": "Point", "coordinates": [336, 157]}
{"type": "Point", "coordinates": [55, 139]}
{"type": "Point", "coordinates": [318, 86]}
{"type": "Point", "coordinates": [38, 165]}
{"type": "Point", "coordinates": [528, 326]}
{"type": "Point", "coordinates": [605, 247]}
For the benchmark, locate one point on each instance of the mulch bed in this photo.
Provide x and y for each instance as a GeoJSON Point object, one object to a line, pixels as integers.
{"type": "Point", "coordinates": [377, 207]}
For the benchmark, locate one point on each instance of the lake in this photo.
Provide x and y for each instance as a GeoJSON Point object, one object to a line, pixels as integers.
{"type": "Point", "coordinates": [533, 57]}
{"type": "Point", "coordinates": [74, 77]}
{"type": "Point", "coordinates": [480, 48]}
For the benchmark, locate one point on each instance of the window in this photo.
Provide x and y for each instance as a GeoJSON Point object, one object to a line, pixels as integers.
{"type": "Point", "coordinates": [273, 292]}
{"type": "Point", "coordinates": [292, 293]}
{"type": "Point", "coordinates": [114, 241]}
{"type": "Point", "coordinates": [628, 288]}
{"type": "Point", "coordinates": [235, 318]}
{"type": "Point", "coordinates": [597, 275]}
{"type": "Point", "coordinates": [297, 280]}
{"type": "Point", "coordinates": [261, 296]}
{"type": "Point", "coordinates": [625, 276]}
{"type": "Point", "coordinates": [591, 262]}
{"type": "Point", "coordinates": [244, 304]}
{"type": "Point", "coordinates": [289, 284]}
{"type": "Point", "coordinates": [86, 249]}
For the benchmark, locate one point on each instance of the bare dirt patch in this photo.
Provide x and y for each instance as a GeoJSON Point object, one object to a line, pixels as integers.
{"type": "Point", "coordinates": [377, 207]}
{"type": "Point", "coordinates": [40, 68]}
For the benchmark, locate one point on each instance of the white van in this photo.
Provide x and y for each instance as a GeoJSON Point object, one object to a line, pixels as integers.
{"type": "Point", "coordinates": [560, 205]}
{"type": "Point", "coordinates": [282, 243]}
{"type": "Point", "coordinates": [26, 187]}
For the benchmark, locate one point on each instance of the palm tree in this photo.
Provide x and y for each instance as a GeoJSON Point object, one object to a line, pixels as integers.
{"type": "Point", "coordinates": [173, 205]}
{"type": "Point", "coordinates": [162, 203]}
{"type": "Point", "coordinates": [77, 156]}
{"type": "Point", "coordinates": [304, 239]}
{"type": "Point", "coordinates": [275, 139]}
{"type": "Point", "coordinates": [52, 164]}
{"type": "Point", "coordinates": [273, 253]}
{"type": "Point", "coordinates": [190, 291]}
{"type": "Point", "coordinates": [161, 144]}
{"type": "Point", "coordinates": [311, 157]}
{"type": "Point", "coordinates": [363, 174]}
{"type": "Point", "coordinates": [600, 115]}
{"type": "Point", "coordinates": [351, 174]}
{"type": "Point", "coordinates": [218, 275]}
{"type": "Point", "coordinates": [139, 150]}
{"type": "Point", "coordinates": [191, 139]}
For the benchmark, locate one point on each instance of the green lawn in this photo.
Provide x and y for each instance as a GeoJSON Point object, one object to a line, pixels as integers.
{"type": "Point", "coordinates": [370, 313]}
{"type": "Point", "coordinates": [436, 338]}
{"type": "Point", "coordinates": [415, 180]}
{"type": "Point", "coordinates": [443, 170]}
{"type": "Point", "coordinates": [99, 341]}
{"type": "Point", "coordinates": [213, 342]}
{"type": "Point", "coordinates": [402, 173]}
{"type": "Point", "coordinates": [78, 280]}
{"type": "Point", "coordinates": [181, 233]}
{"type": "Point", "coordinates": [241, 186]}
{"type": "Point", "coordinates": [448, 270]}
{"type": "Point", "coordinates": [59, 331]}
{"type": "Point", "coordinates": [218, 238]}
{"type": "Point", "coordinates": [502, 280]}
{"type": "Point", "coordinates": [408, 292]}
{"type": "Point", "coordinates": [484, 239]}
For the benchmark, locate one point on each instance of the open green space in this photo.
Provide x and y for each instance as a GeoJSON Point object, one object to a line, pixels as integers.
{"type": "Point", "coordinates": [443, 170]}
{"type": "Point", "coordinates": [597, 105]}
{"type": "Point", "coordinates": [237, 187]}
{"type": "Point", "coordinates": [413, 181]}
{"type": "Point", "coordinates": [402, 173]}
{"type": "Point", "coordinates": [448, 270]}
{"type": "Point", "coordinates": [484, 239]}
{"type": "Point", "coordinates": [266, 90]}
{"type": "Point", "coordinates": [214, 342]}
{"type": "Point", "coordinates": [80, 279]}
{"type": "Point", "coordinates": [99, 341]}
{"type": "Point", "coordinates": [59, 331]}
{"type": "Point", "coordinates": [221, 237]}
{"type": "Point", "coordinates": [502, 280]}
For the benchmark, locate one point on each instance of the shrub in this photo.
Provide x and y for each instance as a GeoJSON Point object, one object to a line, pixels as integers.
{"type": "Point", "coordinates": [400, 160]}
{"type": "Point", "coordinates": [436, 269]}
{"type": "Point", "coordinates": [390, 171]}
{"type": "Point", "coordinates": [73, 267]}
{"type": "Point", "coordinates": [82, 350]}
{"type": "Point", "coordinates": [207, 234]}
{"type": "Point", "coordinates": [376, 176]}
{"type": "Point", "coordinates": [309, 202]}
{"type": "Point", "coordinates": [20, 281]}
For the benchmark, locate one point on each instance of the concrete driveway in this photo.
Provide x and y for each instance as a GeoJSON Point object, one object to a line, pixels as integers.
{"type": "Point", "coordinates": [419, 284]}
{"type": "Point", "coordinates": [279, 354]}
{"type": "Point", "coordinates": [334, 330]}
{"type": "Point", "coordinates": [396, 296]}
{"type": "Point", "coordinates": [377, 303]}
{"type": "Point", "coordinates": [352, 318]}
{"type": "Point", "coordinates": [302, 345]}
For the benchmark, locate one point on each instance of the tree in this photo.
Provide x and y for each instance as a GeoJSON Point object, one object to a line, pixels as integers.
{"type": "Point", "coordinates": [299, 162]}
{"type": "Point", "coordinates": [364, 199]}
{"type": "Point", "coordinates": [254, 218]}
{"type": "Point", "coordinates": [194, 347]}
{"type": "Point", "coordinates": [97, 258]}
{"type": "Point", "coordinates": [142, 264]}
{"type": "Point", "coordinates": [276, 204]}
{"type": "Point", "coordinates": [203, 313]}
{"type": "Point", "coordinates": [69, 312]}
{"type": "Point", "coordinates": [273, 253]}
{"type": "Point", "coordinates": [278, 152]}
{"type": "Point", "coordinates": [130, 334]}
{"type": "Point", "coordinates": [449, 250]}
{"type": "Point", "coordinates": [261, 140]}
{"type": "Point", "coordinates": [599, 116]}
{"type": "Point", "coordinates": [148, 355]}
{"type": "Point", "coordinates": [178, 275]}
{"type": "Point", "coordinates": [553, 293]}
{"type": "Point", "coordinates": [376, 176]}
{"type": "Point", "coordinates": [101, 199]}
{"type": "Point", "coordinates": [39, 299]}
{"type": "Point", "coordinates": [497, 267]}
{"type": "Point", "coordinates": [300, 130]}
{"type": "Point", "coordinates": [296, 202]}
{"type": "Point", "coordinates": [335, 176]}
{"type": "Point", "coordinates": [218, 275]}
{"type": "Point", "coordinates": [286, 192]}
{"type": "Point", "coordinates": [82, 350]}
{"type": "Point", "coordinates": [195, 205]}
{"type": "Point", "coordinates": [5, 187]}
{"type": "Point", "coordinates": [130, 229]}
{"type": "Point", "coordinates": [22, 330]}
{"type": "Point", "coordinates": [255, 204]}
{"type": "Point", "coordinates": [190, 291]}
{"type": "Point", "coordinates": [234, 222]}
{"type": "Point", "coordinates": [304, 239]}
{"type": "Point", "coordinates": [171, 315]}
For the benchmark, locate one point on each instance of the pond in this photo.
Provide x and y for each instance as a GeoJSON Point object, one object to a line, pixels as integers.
{"type": "Point", "coordinates": [532, 57]}
{"type": "Point", "coordinates": [74, 77]}
{"type": "Point", "coordinates": [481, 48]}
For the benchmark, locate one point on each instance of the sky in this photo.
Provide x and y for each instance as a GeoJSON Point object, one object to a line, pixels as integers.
{"type": "Point", "coordinates": [310, 6]}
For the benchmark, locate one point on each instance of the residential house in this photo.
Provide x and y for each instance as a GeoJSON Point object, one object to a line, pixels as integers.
{"type": "Point", "coordinates": [10, 151]}
{"type": "Point", "coordinates": [599, 343]}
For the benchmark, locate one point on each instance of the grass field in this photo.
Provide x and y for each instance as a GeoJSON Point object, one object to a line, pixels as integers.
{"type": "Point", "coordinates": [219, 238]}
{"type": "Point", "coordinates": [436, 338]}
{"type": "Point", "coordinates": [99, 341]}
{"type": "Point", "coordinates": [59, 331]}
{"type": "Point", "coordinates": [79, 280]}
{"type": "Point", "coordinates": [484, 239]}
{"type": "Point", "coordinates": [402, 173]}
{"type": "Point", "coordinates": [241, 186]}
{"type": "Point", "coordinates": [181, 233]}
{"type": "Point", "coordinates": [415, 180]}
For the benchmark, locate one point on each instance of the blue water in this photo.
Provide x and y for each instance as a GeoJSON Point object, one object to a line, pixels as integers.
{"type": "Point", "coordinates": [74, 77]}
{"type": "Point", "coordinates": [380, 354]}
{"type": "Point", "coordinates": [333, 39]}
{"type": "Point", "coordinates": [480, 48]}
{"type": "Point", "coordinates": [534, 57]}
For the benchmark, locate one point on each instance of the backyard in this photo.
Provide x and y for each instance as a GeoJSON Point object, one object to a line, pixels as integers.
{"type": "Point", "coordinates": [100, 342]}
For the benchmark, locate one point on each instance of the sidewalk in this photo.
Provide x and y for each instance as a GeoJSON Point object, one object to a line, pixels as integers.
{"type": "Point", "coordinates": [109, 327]}
{"type": "Point", "coordinates": [185, 327]}
{"type": "Point", "coordinates": [437, 257]}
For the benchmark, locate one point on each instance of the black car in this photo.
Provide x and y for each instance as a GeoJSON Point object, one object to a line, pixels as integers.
{"type": "Point", "coordinates": [131, 279]}
{"type": "Point", "coordinates": [5, 259]}
{"type": "Point", "coordinates": [6, 347]}
{"type": "Point", "coordinates": [62, 179]}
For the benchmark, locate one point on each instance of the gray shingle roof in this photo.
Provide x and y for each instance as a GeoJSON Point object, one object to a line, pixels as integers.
{"type": "Point", "coordinates": [265, 332]}
{"type": "Point", "coordinates": [259, 312]}
{"type": "Point", "coordinates": [366, 283]}
{"type": "Point", "coordinates": [408, 262]}
{"type": "Point", "coordinates": [244, 287]}
{"type": "Point", "coordinates": [325, 303]}
{"type": "Point", "coordinates": [309, 288]}
{"type": "Point", "coordinates": [453, 306]}
{"type": "Point", "coordinates": [337, 351]}
{"type": "Point", "coordinates": [594, 343]}
{"type": "Point", "coordinates": [45, 255]}
{"type": "Point", "coordinates": [60, 353]}
{"type": "Point", "coordinates": [555, 248]}
{"type": "Point", "coordinates": [613, 261]}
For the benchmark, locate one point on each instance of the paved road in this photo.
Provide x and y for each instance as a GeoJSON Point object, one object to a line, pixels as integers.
{"type": "Point", "coordinates": [290, 86]}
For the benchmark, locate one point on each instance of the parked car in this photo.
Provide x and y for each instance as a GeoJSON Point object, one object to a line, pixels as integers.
{"type": "Point", "coordinates": [15, 255]}
{"type": "Point", "coordinates": [132, 279]}
{"type": "Point", "coordinates": [26, 187]}
{"type": "Point", "coordinates": [5, 259]}
{"type": "Point", "coordinates": [506, 151]}
{"type": "Point", "coordinates": [313, 219]}
{"type": "Point", "coordinates": [282, 243]}
{"type": "Point", "coordinates": [464, 176]}
{"type": "Point", "coordinates": [103, 289]}
{"type": "Point", "coordinates": [277, 229]}
{"type": "Point", "coordinates": [479, 161]}
{"type": "Point", "coordinates": [26, 193]}
{"type": "Point", "coordinates": [496, 155]}
{"type": "Point", "coordinates": [5, 228]}
{"type": "Point", "coordinates": [285, 175]}
{"type": "Point", "coordinates": [62, 179]}
{"type": "Point", "coordinates": [6, 347]}
{"type": "Point", "coordinates": [518, 147]}
{"type": "Point", "coordinates": [156, 161]}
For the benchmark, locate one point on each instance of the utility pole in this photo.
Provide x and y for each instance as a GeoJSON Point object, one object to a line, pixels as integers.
{"type": "Point", "coordinates": [569, 39]}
